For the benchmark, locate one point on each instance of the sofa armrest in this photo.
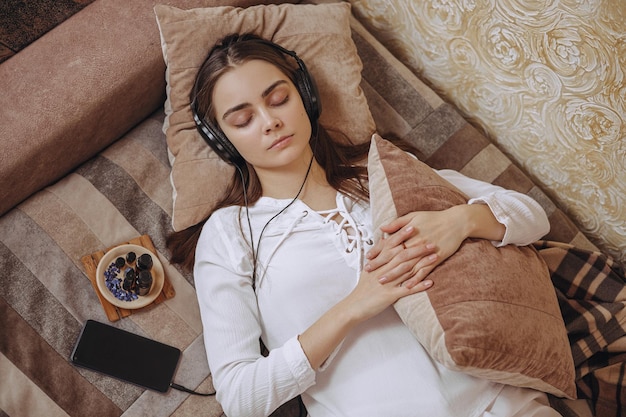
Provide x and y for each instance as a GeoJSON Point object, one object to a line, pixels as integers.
{"type": "Point", "coordinates": [79, 88]}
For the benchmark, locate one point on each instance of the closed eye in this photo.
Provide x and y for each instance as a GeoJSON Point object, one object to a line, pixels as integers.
{"type": "Point", "coordinates": [242, 121]}
{"type": "Point", "coordinates": [278, 99]}
{"type": "Point", "coordinates": [275, 95]}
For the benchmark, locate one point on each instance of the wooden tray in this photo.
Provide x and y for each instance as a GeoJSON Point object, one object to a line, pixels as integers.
{"type": "Point", "coordinates": [115, 313]}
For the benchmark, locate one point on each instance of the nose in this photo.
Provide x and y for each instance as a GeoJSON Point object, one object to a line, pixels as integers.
{"type": "Point", "coordinates": [270, 121]}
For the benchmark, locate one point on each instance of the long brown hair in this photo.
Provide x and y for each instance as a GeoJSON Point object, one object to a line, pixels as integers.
{"type": "Point", "coordinates": [343, 164]}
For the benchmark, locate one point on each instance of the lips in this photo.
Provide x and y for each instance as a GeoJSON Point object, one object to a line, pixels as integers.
{"type": "Point", "coordinates": [280, 141]}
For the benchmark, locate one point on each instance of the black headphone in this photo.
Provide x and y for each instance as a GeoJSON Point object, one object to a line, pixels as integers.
{"type": "Point", "coordinates": [306, 86]}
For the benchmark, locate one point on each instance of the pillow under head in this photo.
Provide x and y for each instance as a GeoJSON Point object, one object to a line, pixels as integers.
{"type": "Point", "coordinates": [492, 311]}
{"type": "Point", "coordinates": [319, 34]}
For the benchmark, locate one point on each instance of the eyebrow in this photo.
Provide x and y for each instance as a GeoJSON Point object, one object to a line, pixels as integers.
{"type": "Point", "coordinates": [265, 93]}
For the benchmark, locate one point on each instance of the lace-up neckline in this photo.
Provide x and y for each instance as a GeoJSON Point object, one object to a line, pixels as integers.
{"type": "Point", "coordinates": [352, 234]}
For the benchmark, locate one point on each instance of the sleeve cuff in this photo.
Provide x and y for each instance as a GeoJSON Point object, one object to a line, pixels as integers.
{"type": "Point", "coordinates": [524, 220]}
{"type": "Point", "coordinates": [298, 363]}
{"type": "Point", "coordinates": [500, 215]}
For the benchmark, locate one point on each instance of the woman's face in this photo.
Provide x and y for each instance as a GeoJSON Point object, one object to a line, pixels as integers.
{"type": "Point", "coordinates": [261, 112]}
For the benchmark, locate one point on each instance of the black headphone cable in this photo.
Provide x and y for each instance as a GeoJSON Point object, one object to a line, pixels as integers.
{"type": "Point", "coordinates": [302, 409]}
{"type": "Point", "coordinates": [255, 252]}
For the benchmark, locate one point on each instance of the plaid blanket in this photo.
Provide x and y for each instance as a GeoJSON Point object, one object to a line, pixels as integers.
{"type": "Point", "coordinates": [591, 289]}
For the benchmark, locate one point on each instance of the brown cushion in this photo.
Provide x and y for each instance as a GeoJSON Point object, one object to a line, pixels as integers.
{"type": "Point", "coordinates": [320, 35]}
{"type": "Point", "coordinates": [492, 312]}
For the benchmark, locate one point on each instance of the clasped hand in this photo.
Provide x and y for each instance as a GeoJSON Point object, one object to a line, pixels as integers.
{"type": "Point", "coordinates": [399, 264]}
{"type": "Point", "coordinates": [438, 234]}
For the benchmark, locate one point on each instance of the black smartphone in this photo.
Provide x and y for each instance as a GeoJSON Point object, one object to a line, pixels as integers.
{"type": "Point", "coordinates": [126, 356]}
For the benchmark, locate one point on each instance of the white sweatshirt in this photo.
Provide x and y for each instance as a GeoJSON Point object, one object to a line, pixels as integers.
{"type": "Point", "coordinates": [306, 264]}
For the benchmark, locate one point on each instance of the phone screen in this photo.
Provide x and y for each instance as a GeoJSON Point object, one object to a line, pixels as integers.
{"type": "Point", "coordinates": [126, 356]}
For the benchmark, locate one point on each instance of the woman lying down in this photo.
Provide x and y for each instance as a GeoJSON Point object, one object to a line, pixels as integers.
{"type": "Point", "coordinates": [287, 257]}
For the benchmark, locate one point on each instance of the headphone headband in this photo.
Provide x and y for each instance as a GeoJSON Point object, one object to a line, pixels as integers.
{"type": "Point", "coordinates": [305, 84]}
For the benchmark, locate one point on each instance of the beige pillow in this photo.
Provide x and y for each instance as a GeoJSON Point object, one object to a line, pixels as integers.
{"type": "Point", "coordinates": [493, 312]}
{"type": "Point", "coordinates": [319, 34]}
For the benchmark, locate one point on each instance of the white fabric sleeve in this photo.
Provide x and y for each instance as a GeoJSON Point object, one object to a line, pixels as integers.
{"type": "Point", "coordinates": [246, 382]}
{"type": "Point", "coordinates": [524, 219]}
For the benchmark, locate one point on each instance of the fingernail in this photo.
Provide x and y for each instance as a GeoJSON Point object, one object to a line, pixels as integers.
{"type": "Point", "coordinates": [382, 280]}
{"type": "Point", "coordinates": [409, 229]}
{"type": "Point", "coordinates": [427, 283]}
{"type": "Point", "coordinates": [368, 267]}
{"type": "Point", "coordinates": [430, 246]}
{"type": "Point", "coordinates": [432, 257]}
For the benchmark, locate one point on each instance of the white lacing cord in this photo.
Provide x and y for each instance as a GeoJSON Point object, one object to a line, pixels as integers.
{"type": "Point", "coordinates": [350, 241]}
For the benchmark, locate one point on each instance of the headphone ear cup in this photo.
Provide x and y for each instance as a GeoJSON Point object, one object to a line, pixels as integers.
{"type": "Point", "coordinates": [218, 141]}
{"type": "Point", "coordinates": [309, 93]}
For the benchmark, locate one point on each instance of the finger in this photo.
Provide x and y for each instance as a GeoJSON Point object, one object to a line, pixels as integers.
{"type": "Point", "coordinates": [399, 271]}
{"type": "Point", "coordinates": [378, 257]}
{"type": "Point", "coordinates": [395, 225]}
{"type": "Point", "coordinates": [416, 241]}
{"type": "Point", "coordinates": [411, 281]}
{"type": "Point", "coordinates": [384, 251]}
{"type": "Point", "coordinates": [375, 250]}
{"type": "Point", "coordinates": [401, 236]}
{"type": "Point", "coordinates": [422, 255]}
{"type": "Point", "coordinates": [417, 278]}
{"type": "Point", "coordinates": [393, 245]}
{"type": "Point", "coordinates": [422, 269]}
{"type": "Point", "coordinates": [400, 258]}
{"type": "Point", "coordinates": [386, 257]}
{"type": "Point", "coordinates": [431, 261]}
{"type": "Point", "coordinates": [418, 287]}
{"type": "Point", "coordinates": [411, 269]}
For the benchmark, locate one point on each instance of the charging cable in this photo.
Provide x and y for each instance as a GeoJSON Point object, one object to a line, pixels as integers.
{"type": "Point", "coordinates": [190, 391]}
